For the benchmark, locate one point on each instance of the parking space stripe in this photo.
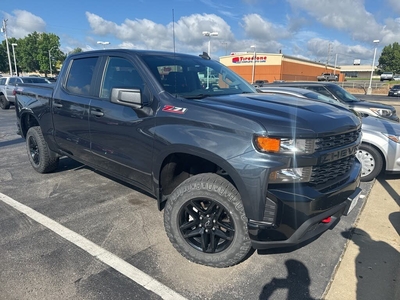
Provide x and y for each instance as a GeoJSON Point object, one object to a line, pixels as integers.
{"type": "Point", "coordinates": [101, 254]}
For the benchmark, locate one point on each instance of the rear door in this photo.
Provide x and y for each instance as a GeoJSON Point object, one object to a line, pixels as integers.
{"type": "Point", "coordinates": [71, 107]}
{"type": "Point", "coordinates": [121, 136]}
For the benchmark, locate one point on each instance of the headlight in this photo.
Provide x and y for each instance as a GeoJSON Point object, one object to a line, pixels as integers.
{"type": "Point", "coordinates": [284, 145]}
{"type": "Point", "coordinates": [382, 112]}
{"type": "Point", "coordinates": [291, 175]}
{"type": "Point", "coordinates": [394, 138]}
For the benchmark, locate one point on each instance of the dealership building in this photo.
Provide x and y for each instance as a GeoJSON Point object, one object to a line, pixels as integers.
{"type": "Point", "coordinates": [276, 66]}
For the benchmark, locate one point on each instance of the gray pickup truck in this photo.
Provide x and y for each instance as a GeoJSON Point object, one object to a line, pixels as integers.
{"type": "Point", "coordinates": [327, 77]}
{"type": "Point", "coordinates": [8, 85]}
{"type": "Point", "coordinates": [233, 169]}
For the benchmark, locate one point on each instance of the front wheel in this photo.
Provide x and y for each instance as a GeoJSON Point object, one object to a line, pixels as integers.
{"type": "Point", "coordinates": [371, 162]}
{"type": "Point", "coordinates": [205, 221]}
{"type": "Point", "coordinates": [4, 103]}
{"type": "Point", "coordinates": [42, 159]}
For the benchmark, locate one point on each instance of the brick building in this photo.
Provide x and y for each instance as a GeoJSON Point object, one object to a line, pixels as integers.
{"type": "Point", "coordinates": [273, 66]}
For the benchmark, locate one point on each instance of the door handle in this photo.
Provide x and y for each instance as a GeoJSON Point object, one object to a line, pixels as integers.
{"type": "Point", "coordinates": [58, 105]}
{"type": "Point", "coordinates": [96, 113]}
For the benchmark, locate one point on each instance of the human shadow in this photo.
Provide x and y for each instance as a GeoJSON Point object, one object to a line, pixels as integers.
{"type": "Point", "coordinates": [376, 265]}
{"type": "Point", "coordinates": [297, 282]}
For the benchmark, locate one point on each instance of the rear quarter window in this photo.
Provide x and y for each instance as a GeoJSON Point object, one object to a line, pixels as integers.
{"type": "Point", "coordinates": [81, 75]}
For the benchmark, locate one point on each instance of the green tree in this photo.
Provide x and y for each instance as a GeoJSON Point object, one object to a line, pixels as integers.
{"type": "Point", "coordinates": [389, 61]}
{"type": "Point", "coordinates": [76, 50]}
{"type": "Point", "coordinates": [36, 51]}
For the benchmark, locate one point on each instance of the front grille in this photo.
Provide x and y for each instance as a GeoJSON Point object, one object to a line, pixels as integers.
{"type": "Point", "coordinates": [331, 171]}
{"type": "Point", "coordinates": [336, 141]}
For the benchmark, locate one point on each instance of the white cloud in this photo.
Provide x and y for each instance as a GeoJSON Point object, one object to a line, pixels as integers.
{"type": "Point", "coordinates": [394, 5]}
{"type": "Point", "coordinates": [143, 33]}
{"type": "Point", "coordinates": [344, 15]}
{"type": "Point", "coordinates": [260, 29]}
{"type": "Point", "coordinates": [22, 23]}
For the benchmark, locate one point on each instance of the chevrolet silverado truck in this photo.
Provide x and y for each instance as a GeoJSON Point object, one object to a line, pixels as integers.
{"type": "Point", "coordinates": [231, 168]}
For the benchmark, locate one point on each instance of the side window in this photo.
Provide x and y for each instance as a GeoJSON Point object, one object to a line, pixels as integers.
{"type": "Point", "coordinates": [119, 73]}
{"type": "Point", "coordinates": [12, 81]}
{"type": "Point", "coordinates": [2, 81]}
{"type": "Point", "coordinates": [321, 90]}
{"type": "Point", "coordinates": [80, 76]}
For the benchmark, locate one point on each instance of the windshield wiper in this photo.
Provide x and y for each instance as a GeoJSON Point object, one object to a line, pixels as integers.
{"type": "Point", "coordinates": [198, 96]}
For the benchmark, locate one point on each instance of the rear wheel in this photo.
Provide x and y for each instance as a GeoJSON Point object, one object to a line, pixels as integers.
{"type": "Point", "coordinates": [4, 103]}
{"type": "Point", "coordinates": [42, 159]}
{"type": "Point", "coordinates": [371, 162]}
{"type": "Point", "coordinates": [205, 221]}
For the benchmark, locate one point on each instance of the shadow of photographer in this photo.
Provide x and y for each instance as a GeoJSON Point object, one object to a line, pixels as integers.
{"type": "Point", "coordinates": [376, 267]}
{"type": "Point", "coordinates": [297, 282]}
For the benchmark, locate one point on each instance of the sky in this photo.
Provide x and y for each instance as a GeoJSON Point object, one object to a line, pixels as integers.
{"type": "Point", "coordinates": [319, 30]}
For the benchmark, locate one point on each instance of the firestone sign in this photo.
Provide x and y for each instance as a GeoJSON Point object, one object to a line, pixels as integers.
{"type": "Point", "coordinates": [248, 59]}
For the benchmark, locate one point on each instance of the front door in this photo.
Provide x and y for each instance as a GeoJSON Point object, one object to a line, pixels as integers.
{"type": "Point", "coordinates": [120, 135]}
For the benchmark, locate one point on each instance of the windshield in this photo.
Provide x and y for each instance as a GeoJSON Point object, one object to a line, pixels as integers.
{"type": "Point", "coordinates": [342, 94]}
{"type": "Point", "coordinates": [194, 77]}
{"type": "Point", "coordinates": [319, 97]}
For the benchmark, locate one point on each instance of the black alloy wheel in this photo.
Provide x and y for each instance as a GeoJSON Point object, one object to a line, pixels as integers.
{"type": "Point", "coordinates": [205, 221]}
{"type": "Point", "coordinates": [33, 150]}
{"type": "Point", "coordinates": [42, 159]}
{"type": "Point", "coordinates": [206, 225]}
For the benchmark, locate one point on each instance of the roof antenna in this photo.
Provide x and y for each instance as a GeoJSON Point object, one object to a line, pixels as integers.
{"type": "Point", "coordinates": [173, 28]}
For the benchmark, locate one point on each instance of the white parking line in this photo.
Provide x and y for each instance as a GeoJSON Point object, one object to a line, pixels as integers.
{"type": "Point", "coordinates": [101, 254]}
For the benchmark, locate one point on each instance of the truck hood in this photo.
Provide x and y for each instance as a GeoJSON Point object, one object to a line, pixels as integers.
{"type": "Point", "coordinates": [282, 115]}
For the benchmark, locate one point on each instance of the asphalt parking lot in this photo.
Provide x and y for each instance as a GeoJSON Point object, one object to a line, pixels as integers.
{"type": "Point", "coordinates": [39, 261]}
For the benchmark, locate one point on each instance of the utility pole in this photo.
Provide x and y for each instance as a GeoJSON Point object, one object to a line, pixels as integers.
{"type": "Point", "coordinates": [329, 54]}
{"type": "Point", "coordinates": [4, 30]}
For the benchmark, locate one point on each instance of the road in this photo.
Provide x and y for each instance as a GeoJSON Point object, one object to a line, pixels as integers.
{"type": "Point", "coordinates": [78, 223]}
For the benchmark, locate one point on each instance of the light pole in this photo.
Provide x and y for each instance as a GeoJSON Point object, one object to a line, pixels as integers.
{"type": "Point", "coordinates": [369, 90]}
{"type": "Point", "coordinates": [15, 61]}
{"type": "Point", "coordinates": [209, 34]}
{"type": "Point", "coordinates": [103, 43]}
{"type": "Point", "coordinates": [254, 64]}
{"type": "Point", "coordinates": [51, 68]}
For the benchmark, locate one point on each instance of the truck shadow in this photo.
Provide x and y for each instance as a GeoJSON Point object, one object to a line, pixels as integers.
{"type": "Point", "coordinates": [68, 164]}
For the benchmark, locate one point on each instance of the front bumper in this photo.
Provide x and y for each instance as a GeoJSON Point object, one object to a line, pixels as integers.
{"type": "Point", "coordinates": [303, 215]}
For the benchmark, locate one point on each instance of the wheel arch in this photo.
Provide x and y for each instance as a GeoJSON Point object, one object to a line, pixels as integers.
{"type": "Point", "coordinates": [377, 148]}
{"type": "Point", "coordinates": [172, 169]}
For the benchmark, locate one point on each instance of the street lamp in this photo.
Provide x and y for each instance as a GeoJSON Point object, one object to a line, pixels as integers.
{"type": "Point", "coordinates": [15, 61]}
{"type": "Point", "coordinates": [254, 64]}
{"type": "Point", "coordinates": [51, 68]}
{"type": "Point", "coordinates": [209, 34]}
{"type": "Point", "coordinates": [103, 43]}
{"type": "Point", "coordinates": [369, 90]}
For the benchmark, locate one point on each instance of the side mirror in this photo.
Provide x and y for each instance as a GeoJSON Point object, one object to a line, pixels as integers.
{"type": "Point", "coordinates": [130, 97]}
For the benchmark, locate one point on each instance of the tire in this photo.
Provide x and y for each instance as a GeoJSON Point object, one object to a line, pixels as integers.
{"type": "Point", "coordinates": [371, 162]}
{"type": "Point", "coordinates": [205, 221]}
{"type": "Point", "coordinates": [42, 159]}
{"type": "Point", "coordinates": [4, 103]}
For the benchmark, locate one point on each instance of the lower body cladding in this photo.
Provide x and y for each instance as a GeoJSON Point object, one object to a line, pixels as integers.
{"type": "Point", "coordinates": [293, 217]}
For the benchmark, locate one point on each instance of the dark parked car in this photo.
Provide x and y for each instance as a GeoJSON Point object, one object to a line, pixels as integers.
{"type": "Point", "coordinates": [336, 92]}
{"type": "Point", "coordinates": [380, 147]}
{"type": "Point", "coordinates": [394, 91]}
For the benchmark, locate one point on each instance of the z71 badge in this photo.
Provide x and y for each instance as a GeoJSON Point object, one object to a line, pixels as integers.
{"type": "Point", "coordinates": [174, 109]}
{"type": "Point", "coordinates": [338, 155]}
